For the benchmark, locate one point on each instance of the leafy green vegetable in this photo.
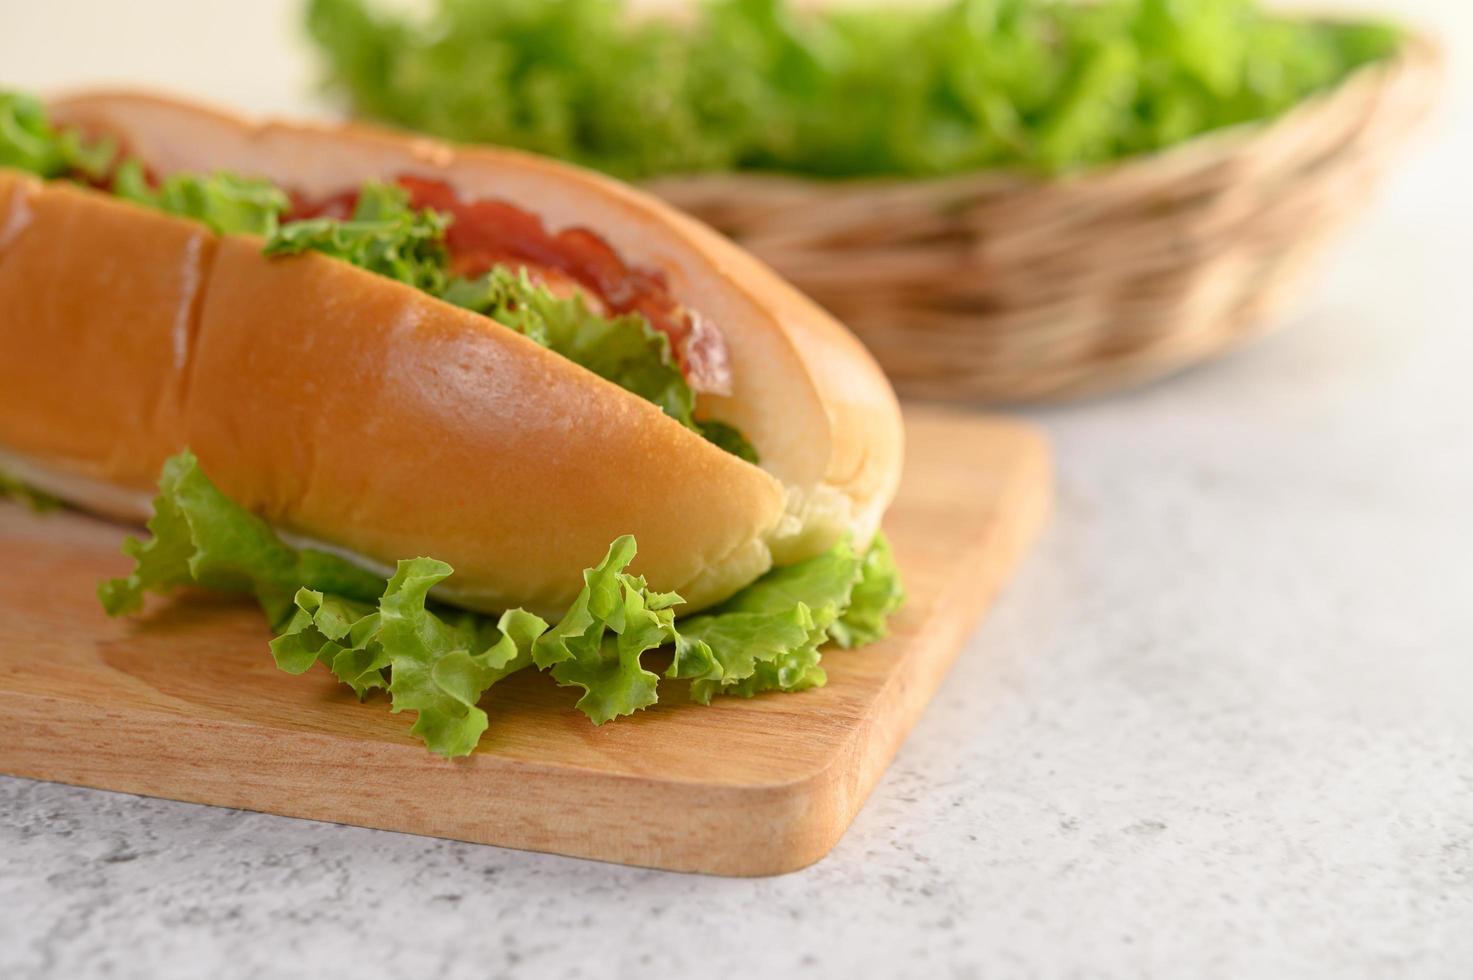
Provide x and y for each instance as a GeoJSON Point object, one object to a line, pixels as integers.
{"type": "Point", "coordinates": [876, 595]}
{"type": "Point", "coordinates": [728, 437]}
{"type": "Point", "coordinates": [1042, 85]}
{"type": "Point", "coordinates": [744, 653]}
{"type": "Point", "coordinates": [37, 500]}
{"type": "Point", "coordinates": [229, 204]}
{"type": "Point", "coordinates": [202, 537]}
{"type": "Point", "coordinates": [336, 633]}
{"type": "Point", "coordinates": [767, 636]}
{"type": "Point", "coordinates": [386, 235]}
{"type": "Point", "coordinates": [623, 349]}
{"type": "Point", "coordinates": [436, 666]}
{"type": "Point", "coordinates": [439, 662]}
{"type": "Point", "coordinates": [29, 142]}
{"type": "Point", "coordinates": [598, 643]}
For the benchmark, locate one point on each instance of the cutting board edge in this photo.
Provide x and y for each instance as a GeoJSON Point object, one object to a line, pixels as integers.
{"type": "Point", "coordinates": [906, 694]}
{"type": "Point", "coordinates": [765, 828]}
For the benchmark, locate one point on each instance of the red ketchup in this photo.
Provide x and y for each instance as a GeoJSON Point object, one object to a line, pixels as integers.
{"type": "Point", "coordinates": [487, 233]}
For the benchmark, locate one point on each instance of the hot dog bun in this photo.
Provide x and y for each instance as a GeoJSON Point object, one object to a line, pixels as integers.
{"type": "Point", "coordinates": [361, 414]}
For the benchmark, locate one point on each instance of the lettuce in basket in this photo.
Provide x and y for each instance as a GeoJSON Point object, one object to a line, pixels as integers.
{"type": "Point", "coordinates": [838, 90]}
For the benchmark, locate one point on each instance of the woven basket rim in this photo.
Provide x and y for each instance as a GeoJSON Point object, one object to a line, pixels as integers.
{"type": "Point", "coordinates": [1418, 52]}
{"type": "Point", "coordinates": [1005, 286]}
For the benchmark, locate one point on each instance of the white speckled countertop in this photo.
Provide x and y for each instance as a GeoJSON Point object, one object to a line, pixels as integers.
{"type": "Point", "coordinates": [1220, 725]}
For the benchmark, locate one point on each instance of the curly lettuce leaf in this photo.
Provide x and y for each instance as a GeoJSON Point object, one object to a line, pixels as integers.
{"type": "Point", "coordinates": [202, 537]}
{"type": "Point", "coordinates": [598, 643]}
{"type": "Point", "coordinates": [38, 501]}
{"type": "Point", "coordinates": [437, 664]}
{"type": "Point", "coordinates": [838, 91]}
{"type": "Point", "coordinates": [335, 632]}
{"type": "Point", "coordinates": [385, 236]}
{"type": "Point", "coordinates": [767, 636]}
{"type": "Point", "coordinates": [729, 438]}
{"type": "Point", "coordinates": [29, 142]}
{"type": "Point", "coordinates": [227, 203]}
{"type": "Point", "coordinates": [370, 635]}
{"type": "Point", "coordinates": [876, 595]}
{"type": "Point", "coordinates": [744, 653]}
{"type": "Point", "coordinates": [623, 349]}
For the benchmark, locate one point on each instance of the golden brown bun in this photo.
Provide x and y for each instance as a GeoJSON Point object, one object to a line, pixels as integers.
{"type": "Point", "coordinates": [357, 412]}
{"type": "Point", "coordinates": [346, 409]}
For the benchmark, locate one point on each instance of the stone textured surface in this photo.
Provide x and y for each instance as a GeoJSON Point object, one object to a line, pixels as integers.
{"type": "Point", "coordinates": [1221, 725]}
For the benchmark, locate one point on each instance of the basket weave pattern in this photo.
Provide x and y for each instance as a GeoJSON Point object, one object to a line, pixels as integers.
{"type": "Point", "coordinates": [1004, 288]}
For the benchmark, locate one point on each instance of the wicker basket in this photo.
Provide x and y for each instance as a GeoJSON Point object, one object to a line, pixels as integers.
{"type": "Point", "coordinates": [1002, 288]}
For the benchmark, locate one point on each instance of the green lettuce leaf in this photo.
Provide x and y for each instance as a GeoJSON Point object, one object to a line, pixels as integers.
{"type": "Point", "coordinates": [202, 537]}
{"type": "Point", "coordinates": [623, 349]}
{"type": "Point", "coordinates": [598, 643]}
{"type": "Point", "coordinates": [37, 500]}
{"type": "Point", "coordinates": [876, 595]}
{"type": "Point", "coordinates": [439, 662]}
{"type": "Point", "coordinates": [838, 91]}
{"type": "Point", "coordinates": [228, 204]}
{"type": "Point", "coordinates": [336, 633]}
{"type": "Point", "coordinates": [385, 236]}
{"type": "Point", "coordinates": [767, 636]}
{"type": "Point", "coordinates": [745, 653]}
{"type": "Point", "coordinates": [436, 664]}
{"type": "Point", "coordinates": [729, 438]}
{"type": "Point", "coordinates": [29, 142]}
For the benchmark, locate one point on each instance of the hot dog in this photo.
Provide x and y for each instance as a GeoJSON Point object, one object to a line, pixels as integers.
{"type": "Point", "coordinates": [380, 378]}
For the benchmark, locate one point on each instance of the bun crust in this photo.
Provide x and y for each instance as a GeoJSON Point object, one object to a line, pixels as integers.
{"type": "Point", "coordinates": [358, 412]}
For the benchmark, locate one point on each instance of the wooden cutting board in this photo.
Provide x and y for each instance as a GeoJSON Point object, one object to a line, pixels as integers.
{"type": "Point", "coordinates": [185, 702]}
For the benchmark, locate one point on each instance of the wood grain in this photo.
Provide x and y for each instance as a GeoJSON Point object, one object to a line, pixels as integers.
{"type": "Point", "coordinates": [185, 703]}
